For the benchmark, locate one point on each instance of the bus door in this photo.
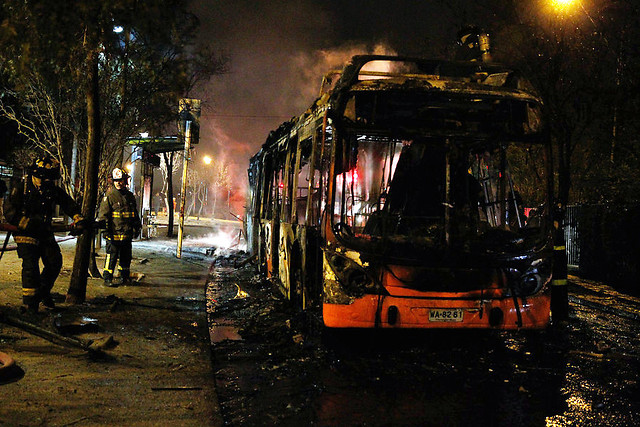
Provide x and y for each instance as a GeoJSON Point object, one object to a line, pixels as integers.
{"type": "Point", "coordinates": [287, 225]}
{"type": "Point", "coordinates": [270, 224]}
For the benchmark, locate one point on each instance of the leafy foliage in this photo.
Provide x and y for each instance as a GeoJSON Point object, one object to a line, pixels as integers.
{"type": "Point", "coordinates": [584, 61]}
{"type": "Point", "coordinates": [147, 61]}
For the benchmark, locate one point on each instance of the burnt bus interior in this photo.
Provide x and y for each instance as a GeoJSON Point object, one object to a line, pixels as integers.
{"type": "Point", "coordinates": [443, 167]}
{"type": "Point", "coordinates": [446, 180]}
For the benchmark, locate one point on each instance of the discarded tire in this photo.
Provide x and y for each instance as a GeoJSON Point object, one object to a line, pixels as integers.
{"type": "Point", "coordinates": [6, 366]}
{"type": "Point", "coordinates": [6, 362]}
{"type": "Point", "coordinates": [9, 371]}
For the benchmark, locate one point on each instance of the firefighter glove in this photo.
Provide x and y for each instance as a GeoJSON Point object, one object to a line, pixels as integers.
{"type": "Point", "coordinates": [79, 225]}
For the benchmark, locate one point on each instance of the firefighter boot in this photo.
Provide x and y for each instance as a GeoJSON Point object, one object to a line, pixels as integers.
{"type": "Point", "coordinates": [108, 283]}
{"type": "Point", "coordinates": [108, 279]}
{"type": "Point", "coordinates": [30, 309]}
{"type": "Point", "coordinates": [125, 275]}
{"type": "Point", "coordinates": [48, 302]}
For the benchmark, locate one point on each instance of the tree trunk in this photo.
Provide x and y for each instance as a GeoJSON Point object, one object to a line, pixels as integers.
{"type": "Point", "coordinates": [169, 161]}
{"type": "Point", "coordinates": [201, 199]}
{"type": "Point", "coordinates": [215, 202]}
{"type": "Point", "coordinates": [77, 291]}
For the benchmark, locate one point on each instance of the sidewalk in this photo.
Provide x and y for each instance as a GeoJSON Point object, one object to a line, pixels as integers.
{"type": "Point", "coordinates": [603, 297]}
{"type": "Point", "coordinates": [159, 371]}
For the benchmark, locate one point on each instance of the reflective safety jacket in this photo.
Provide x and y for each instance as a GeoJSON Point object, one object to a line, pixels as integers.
{"type": "Point", "coordinates": [31, 210]}
{"type": "Point", "coordinates": [118, 211]}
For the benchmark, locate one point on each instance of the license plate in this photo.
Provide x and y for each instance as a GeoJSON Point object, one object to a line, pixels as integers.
{"type": "Point", "coordinates": [445, 315]}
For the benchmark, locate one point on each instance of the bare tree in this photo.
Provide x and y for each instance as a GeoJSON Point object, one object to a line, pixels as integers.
{"type": "Point", "coordinates": [220, 182]}
{"type": "Point", "coordinates": [44, 124]}
{"type": "Point", "coordinates": [168, 166]}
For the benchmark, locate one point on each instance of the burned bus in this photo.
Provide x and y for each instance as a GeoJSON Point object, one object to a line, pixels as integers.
{"type": "Point", "coordinates": [412, 194]}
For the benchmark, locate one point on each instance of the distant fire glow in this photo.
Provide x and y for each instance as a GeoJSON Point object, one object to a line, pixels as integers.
{"type": "Point", "coordinates": [220, 240]}
{"type": "Point", "coordinates": [369, 71]}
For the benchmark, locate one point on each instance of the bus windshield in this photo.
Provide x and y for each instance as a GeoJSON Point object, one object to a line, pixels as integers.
{"type": "Point", "coordinates": [438, 191]}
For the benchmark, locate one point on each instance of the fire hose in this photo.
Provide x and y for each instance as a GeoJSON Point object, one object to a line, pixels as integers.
{"type": "Point", "coordinates": [45, 333]}
{"type": "Point", "coordinates": [56, 228]}
{"type": "Point", "coordinates": [5, 360]}
{"type": "Point", "coordinates": [10, 228]}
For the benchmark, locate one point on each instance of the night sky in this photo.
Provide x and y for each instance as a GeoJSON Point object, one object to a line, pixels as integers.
{"type": "Point", "coordinates": [279, 50]}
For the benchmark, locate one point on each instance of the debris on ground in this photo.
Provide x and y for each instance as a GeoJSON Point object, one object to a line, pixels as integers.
{"type": "Point", "coordinates": [119, 343]}
{"type": "Point", "coordinates": [276, 366]}
{"type": "Point", "coordinates": [73, 324]}
{"type": "Point", "coordinates": [30, 324]}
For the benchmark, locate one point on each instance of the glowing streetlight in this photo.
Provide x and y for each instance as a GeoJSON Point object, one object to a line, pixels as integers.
{"type": "Point", "coordinates": [568, 6]}
{"type": "Point", "coordinates": [207, 160]}
{"type": "Point", "coordinates": [129, 168]}
{"type": "Point", "coordinates": [563, 5]}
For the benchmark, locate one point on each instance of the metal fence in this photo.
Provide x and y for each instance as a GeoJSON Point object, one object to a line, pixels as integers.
{"type": "Point", "coordinates": [571, 236]}
{"type": "Point", "coordinates": [602, 243]}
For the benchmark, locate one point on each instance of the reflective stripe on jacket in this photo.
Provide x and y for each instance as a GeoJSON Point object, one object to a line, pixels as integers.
{"type": "Point", "coordinates": [118, 209]}
{"type": "Point", "coordinates": [31, 210]}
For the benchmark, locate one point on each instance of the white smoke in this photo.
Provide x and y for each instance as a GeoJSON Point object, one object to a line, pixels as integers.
{"type": "Point", "coordinates": [221, 240]}
{"type": "Point", "coordinates": [258, 95]}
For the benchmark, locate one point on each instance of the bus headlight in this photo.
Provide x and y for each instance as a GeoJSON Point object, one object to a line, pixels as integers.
{"type": "Point", "coordinates": [349, 276]}
{"type": "Point", "coordinates": [529, 284]}
{"type": "Point", "coordinates": [533, 279]}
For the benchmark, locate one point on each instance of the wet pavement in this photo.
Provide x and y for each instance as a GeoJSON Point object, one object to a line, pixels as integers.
{"type": "Point", "coordinates": [133, 355]}
{"type": "Point", "coordinates": [274, 366]}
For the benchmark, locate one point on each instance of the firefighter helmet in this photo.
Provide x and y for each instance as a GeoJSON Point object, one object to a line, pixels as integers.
{"type": "Point", "coordinates": [46, 168]}
{"type": "Point", "coordinates": [119, 174]}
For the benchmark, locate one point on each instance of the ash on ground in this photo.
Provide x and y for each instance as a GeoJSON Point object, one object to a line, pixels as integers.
{"type": "Point", "coordinates": [276, 366]}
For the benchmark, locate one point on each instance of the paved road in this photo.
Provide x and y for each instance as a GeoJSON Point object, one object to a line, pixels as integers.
{"type": "Point", "coordinates": [273, 368]}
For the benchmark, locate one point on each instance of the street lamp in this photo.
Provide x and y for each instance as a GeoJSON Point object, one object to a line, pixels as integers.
{"type": "Point", "coordinates": [562, 4]}
{"type": "Point", "coordinates": [207, 160]}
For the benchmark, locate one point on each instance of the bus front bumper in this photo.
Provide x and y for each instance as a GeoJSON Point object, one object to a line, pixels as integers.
{"type": "Point", "coordinates": [402, 312]}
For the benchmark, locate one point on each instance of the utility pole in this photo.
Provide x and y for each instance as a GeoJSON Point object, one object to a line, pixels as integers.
{"type": "Point", "coordinates": [183, 191]}
{"type": "Point", "coordinates": [190, 116]}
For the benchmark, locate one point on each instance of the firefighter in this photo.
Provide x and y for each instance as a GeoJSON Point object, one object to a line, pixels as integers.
{"type": "Point", "coordinates": [119, 215]}
{"type": "Point", "coordinates": [30, 208]}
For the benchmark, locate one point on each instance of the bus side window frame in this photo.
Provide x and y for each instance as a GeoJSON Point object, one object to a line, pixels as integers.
{"type": "Point", "coordinates": [288, 179]}
{"type": "Point", "coordinates": [318, 175]}
{"type": "Point", "coordinates": [303, 174]}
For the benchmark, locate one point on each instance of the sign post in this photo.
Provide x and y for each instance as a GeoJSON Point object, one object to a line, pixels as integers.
{"type": "Point", "coordinates": [189, 115]}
